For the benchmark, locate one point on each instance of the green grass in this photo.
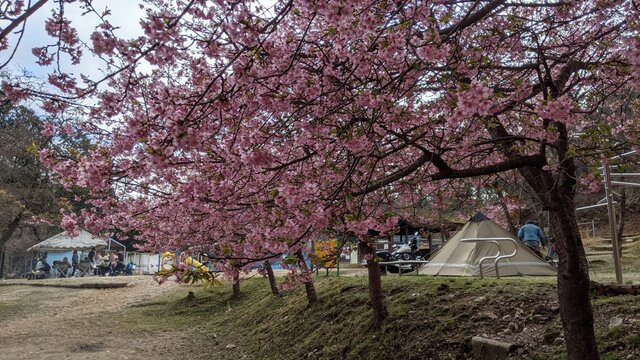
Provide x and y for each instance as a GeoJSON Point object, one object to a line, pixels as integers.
{"type": "Point", "coordinates": [632, 341]}
{"type": "Point", "coordinates": [624, 337]}
{"type": "Point", "coordinates": [601, 262]}
{"type": "Point", "coordinates": [426, 315]}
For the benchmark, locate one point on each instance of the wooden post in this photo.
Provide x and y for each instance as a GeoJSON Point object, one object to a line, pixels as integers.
{"type": "Point", "coordinates": [612, 219]}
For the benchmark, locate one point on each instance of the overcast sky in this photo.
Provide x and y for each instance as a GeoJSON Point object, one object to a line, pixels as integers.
{"type": "Point", "coordinates": [124, 14]}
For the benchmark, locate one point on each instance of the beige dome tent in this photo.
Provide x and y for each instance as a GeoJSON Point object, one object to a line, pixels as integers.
{"type": "Point", "coordinates": [461, 258]}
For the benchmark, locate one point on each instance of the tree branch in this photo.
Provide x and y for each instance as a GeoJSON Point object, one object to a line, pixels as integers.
{"type": "Point", "coordinates": [471, 19]}
{"type": "Point", "coordinates": [509, 164]}
{"type": "Point", "coordinates": [14, 24]}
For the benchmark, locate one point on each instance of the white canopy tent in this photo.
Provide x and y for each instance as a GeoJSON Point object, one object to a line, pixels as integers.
{"type": "Point", "coordinates": [63, 241]}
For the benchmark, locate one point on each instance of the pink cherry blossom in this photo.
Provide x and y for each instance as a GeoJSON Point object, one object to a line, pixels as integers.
{"type": "Point", "coordinates": [250, 132]}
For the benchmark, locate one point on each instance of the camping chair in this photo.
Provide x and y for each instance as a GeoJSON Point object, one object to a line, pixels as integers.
{"type": "Point", "coordinates": [36, 274]}
{"type": "Point", "coordinates": [84, 269]}
{"type": "Point", "coordinates": [61, 269]}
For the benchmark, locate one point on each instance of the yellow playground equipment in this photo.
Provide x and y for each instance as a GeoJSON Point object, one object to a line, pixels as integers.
{"type": "Point", "coordinates": [168, 260]}
{"type": "Point", "coordinates": [326, 253]}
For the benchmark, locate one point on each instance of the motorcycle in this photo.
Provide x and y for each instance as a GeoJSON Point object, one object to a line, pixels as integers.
{"type": "Point", "coordinates": [404, 252]}
{"type": "Point", "coordinates": [408, 251]}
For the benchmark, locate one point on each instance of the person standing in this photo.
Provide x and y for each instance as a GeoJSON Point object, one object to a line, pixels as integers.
{"type": "Point", "coordinates": [532, 236]}
{"type": "Point", "coordinates": [74, 262]}
{"type": "Point", "coordinates": [92, 260]}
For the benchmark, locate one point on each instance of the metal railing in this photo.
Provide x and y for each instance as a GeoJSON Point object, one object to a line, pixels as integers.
{"type": "Point", "coordinates": [593, 226]}
{"type": "Point", "coordinates": [498, 255]}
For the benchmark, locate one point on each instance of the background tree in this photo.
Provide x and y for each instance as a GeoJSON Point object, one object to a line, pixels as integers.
{"type": "Point", "coordinates": [25, 187]}
{"type": "Point", "coordinates": [30, 200]}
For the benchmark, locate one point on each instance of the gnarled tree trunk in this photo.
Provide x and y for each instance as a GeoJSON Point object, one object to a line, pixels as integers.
{"type": "Point", "coordinates": [375, 285]}
{"type": "Point", "coordinates": [235, 286]}
{"type": "Point", "coordinates": [573, 286]}
{"type": "Point", "coordinates": [312, 297]}
{"type": "Point", "coordinates": [557, 195]}
{"type": "Point", "coordinates": [272, 278]}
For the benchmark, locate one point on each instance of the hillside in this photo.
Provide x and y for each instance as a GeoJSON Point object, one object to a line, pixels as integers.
{"type": "Point", "coordinates": [430, 318]}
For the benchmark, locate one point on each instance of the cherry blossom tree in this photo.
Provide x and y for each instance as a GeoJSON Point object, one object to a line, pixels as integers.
{"type": "Point", "coordinates": [279, 122]}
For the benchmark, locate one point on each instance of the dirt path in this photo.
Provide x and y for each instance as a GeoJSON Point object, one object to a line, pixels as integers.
{"type": "Point", "coordinates": [63, 323]}
{"type": "Point", "coordinates": [47, 322]}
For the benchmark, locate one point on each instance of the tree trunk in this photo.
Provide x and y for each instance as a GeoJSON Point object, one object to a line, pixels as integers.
{"type": "Point", "coordinates": [6, 235]}
{"type": "Point", "coordinates": [557, 195]}
{"type": "Point", "coordinates": [505, 211]}
{"type": "Point", "coordinates": [235, 286]}
{"type": "Point", "coordinates": [444, 234]}
{"type": "Point", "coordinates": [272, 278]}
{"type": "Point", "coordinates": [573, 287]}
{"type": "Point", "coordinates": [555, 188]}
{"type": "Point", "coordinates": [375, 285]}
{"type": "Point", "coordinates": [312, 297]}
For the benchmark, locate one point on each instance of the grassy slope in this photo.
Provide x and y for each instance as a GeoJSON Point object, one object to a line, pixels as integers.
{"type": "Point", "coordinates": [429, 318]}
{"type": "Point", "coordinates": [600, 257]}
